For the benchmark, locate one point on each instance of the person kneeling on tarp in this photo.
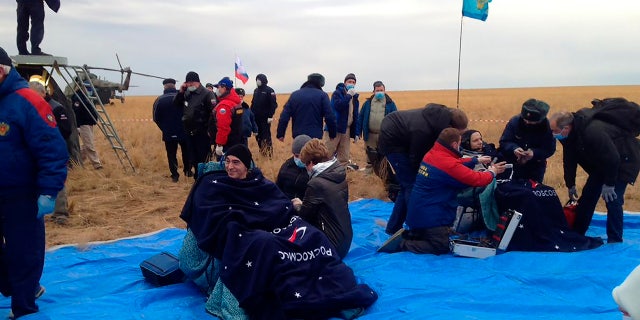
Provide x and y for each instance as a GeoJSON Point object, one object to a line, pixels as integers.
{"type": "Point", "coordinates": [442, 175]}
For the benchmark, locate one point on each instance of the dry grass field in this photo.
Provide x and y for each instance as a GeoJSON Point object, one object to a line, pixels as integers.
{"type": "Point", "coordinates": [109, 203]}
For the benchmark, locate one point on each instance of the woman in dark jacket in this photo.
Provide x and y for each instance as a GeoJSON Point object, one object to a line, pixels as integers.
{"type": "Point", "coordinates": [325, 203]}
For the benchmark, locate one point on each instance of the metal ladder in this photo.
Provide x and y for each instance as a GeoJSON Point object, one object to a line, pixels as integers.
{"type": "Point", "coordinates": [103, 120]}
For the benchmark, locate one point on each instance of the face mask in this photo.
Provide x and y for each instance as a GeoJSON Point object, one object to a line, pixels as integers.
{"type": "Point", "coordinates": [191, 88]}
{"type": "Point", "coordinates": [379, 95]}
{"type": "Point", "coordinates": [258, 83]}
{"type": "Point", "coordinates": [298, 162]}
{"type": "Point", "coordinates": [218, 93]}
{"type": "Point", "coordinates": [350, 86]}
{"type": "Point", "coordinates": [559, 136]}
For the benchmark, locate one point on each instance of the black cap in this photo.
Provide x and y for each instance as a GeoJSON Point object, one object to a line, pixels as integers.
{"type": "Point", "coordinates": [242, 152]}
{"type": "Point", "coordinates": [192, 77]}
{"type": "Point", "coordinates": [240, 91]}
{"type": "Point", "coordinates": [350, 76]}
{"type": "Point", "coordinates": [4, 58]}
{"type": "Point", "coordinates": [209, 85]}
{"type": "Point", "coordinates": [168, 80]}
{"type": "Point", "coordinates": [262, 78]}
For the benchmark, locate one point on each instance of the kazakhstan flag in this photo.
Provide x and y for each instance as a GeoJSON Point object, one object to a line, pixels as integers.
{"type": "Point", "coordinates": [476, 9]}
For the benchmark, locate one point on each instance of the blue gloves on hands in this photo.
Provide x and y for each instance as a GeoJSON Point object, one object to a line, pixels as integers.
{"type": "Point", "coordinates": [608, 193]}
{"type": "Point", "coordinates": [46, 205]}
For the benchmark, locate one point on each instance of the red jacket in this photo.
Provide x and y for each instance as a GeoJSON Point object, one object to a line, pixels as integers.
{"type": "Point", "coordinates": [227, 113]}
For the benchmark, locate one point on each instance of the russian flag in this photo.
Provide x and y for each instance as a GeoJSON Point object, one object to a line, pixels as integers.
{"type": "Point", "coordinates": [240, 72]}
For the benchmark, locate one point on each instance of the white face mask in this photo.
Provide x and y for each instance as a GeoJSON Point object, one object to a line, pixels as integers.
{"type": "Point", "coordinates": [191, 88]}
{"type": "Point", "coordinates": [258, 83]}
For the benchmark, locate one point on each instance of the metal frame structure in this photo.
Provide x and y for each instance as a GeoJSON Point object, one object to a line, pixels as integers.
{"type": "Point", "coordinates": [50, 66]}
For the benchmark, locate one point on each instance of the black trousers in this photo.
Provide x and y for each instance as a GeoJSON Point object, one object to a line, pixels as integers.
{"type": "Point", "coordinates": [172, 150]}
{"type": "Point", "coordinates": [264, 135]}
{"type": "Point", "coordinates": [22, 254]}
{"type": "Point", "coordinates": [35, 11]}
{"type": "Point", "coordinates": [199, 146]}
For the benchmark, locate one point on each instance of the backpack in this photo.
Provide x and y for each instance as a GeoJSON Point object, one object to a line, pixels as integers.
{"type": "Point", "coordinates": [617, 111]}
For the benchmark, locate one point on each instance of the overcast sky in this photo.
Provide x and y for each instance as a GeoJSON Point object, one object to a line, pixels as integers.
{"type": "Point", "coordinates": [408, 44]}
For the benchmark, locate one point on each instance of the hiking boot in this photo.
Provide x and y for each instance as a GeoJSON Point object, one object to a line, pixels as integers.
{"type": "Point", "coordinates": [39, 53]}
{"type": "Point", "coordinates": [188, 174]}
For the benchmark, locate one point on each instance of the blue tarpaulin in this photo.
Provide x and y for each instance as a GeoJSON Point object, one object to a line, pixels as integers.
{"type": "Point", "coordinates": [103, 280]}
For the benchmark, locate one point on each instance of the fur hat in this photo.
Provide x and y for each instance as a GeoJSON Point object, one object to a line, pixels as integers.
{"type": "Point", "coordinates": [534, 110]}
{"type": "Point", "coordinates": [350, 76]}
{"type": "Point", "coordinates": [262, 78]}
{"type": "Point", "coordinates": [4, 58]}
{"type": "Point", "coordinates": [316, 79]}
{"type": "Point", "coordinates": [192, 77]}
{"type": "Point", "coordinates": [299, 142]}
{"type": "Point", "coordinates": [225, 82]}
{"type": "Point", "coordinates": [242, 152]}
{"type": "Point", "coordinates": [169, 80]}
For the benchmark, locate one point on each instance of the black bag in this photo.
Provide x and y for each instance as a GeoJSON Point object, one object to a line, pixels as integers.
{"type": "Point", "coordinates": [543, 226]}
{"type": "Point", "coordinates": [162, 269]}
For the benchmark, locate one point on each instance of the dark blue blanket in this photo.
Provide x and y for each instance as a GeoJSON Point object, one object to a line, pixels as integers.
{"type": "Point", "coordinates": [103, 281]}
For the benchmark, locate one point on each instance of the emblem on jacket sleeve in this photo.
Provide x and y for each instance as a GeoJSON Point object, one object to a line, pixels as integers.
{"type": "Point", "coordinates": [4, 128]}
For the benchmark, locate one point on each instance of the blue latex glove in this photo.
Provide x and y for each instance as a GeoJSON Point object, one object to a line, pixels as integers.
{"type": "Point", "coordinates": [46, 205]}
{"type": "Point", "coordinates": [608, 193]}
{"type": "Point", "coordinates": [573, 193]}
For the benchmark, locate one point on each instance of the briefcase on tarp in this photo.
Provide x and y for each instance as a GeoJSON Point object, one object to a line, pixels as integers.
{"type": "Point", "coordinates": [162, 269]}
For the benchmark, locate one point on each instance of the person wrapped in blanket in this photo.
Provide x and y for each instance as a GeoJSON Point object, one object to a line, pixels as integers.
{"type": "Point", "coordinates": [254, 259]}
{"type": "Point", "coordinates": [442, 175]}
{"type": "Point", "coordinates": [469, 214]}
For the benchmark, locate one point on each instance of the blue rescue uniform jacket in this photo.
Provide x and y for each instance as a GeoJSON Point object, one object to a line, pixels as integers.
{"type": "Point", "coordinates": [34, 154]}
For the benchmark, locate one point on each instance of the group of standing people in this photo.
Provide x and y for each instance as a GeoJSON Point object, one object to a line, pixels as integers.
{"type": "Point", "coordinates": [206, 121]}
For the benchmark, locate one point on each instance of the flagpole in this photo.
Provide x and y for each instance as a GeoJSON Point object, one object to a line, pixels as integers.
{"type": "Point", "coordinates": [235, 77]}
{"type": "Point", "coordinates": [459, 59]}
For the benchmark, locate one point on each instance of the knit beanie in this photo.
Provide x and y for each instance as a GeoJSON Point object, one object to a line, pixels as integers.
{"type": "Point", "coordinates": [192, 77]}
{"type": "Point", "coordinates": [299, 142]}
{"type": "Point", "coordinates": [350, 76]}
{"type": "Point", "coordinates": [168, 80]}
{"type": "Point", "coordinates": [534, 110]}
{"type": "Point", "coordinates": [242, 152]}
{"type": "Point", "coordinates": [4, 58]}
{"type": "Point", "coordinates": [378, 84]}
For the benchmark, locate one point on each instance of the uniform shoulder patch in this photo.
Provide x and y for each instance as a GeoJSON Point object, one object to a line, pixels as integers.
{"type": "Point", "coordinates": [4, 128]}
{"type": "Point", "coordinates": [222, 111]}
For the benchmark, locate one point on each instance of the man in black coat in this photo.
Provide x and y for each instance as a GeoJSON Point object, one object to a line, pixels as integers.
{"type": "Point", "coordinates": [169, 120]}
{"type": "Point", "coordinates": [405, 137]}
{"type": "Point", "coordinates": [34, 10]}
{"type": "Point", "coordinates": [527, 141]}
{"type": "Point", "coordinates": [196, 103]}
{"type": "Point", "coordinates": [611, 158]}
{"type": "Point", "coordinates": [263, 106]}
{"type": "Point", "coordinates": [86, 118]}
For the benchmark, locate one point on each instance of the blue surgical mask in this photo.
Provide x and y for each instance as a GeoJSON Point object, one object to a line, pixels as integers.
{"type": "Point", "coordinates": [298, 162]}
{"type": "Point", "coordinates": [191, 88]}
{"type": "Point", "coordinates": [350, 86]}
{"type": "Point", "coordinates": [379, 95]}
{"type": "Point", "coordinates": [559, 136]}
